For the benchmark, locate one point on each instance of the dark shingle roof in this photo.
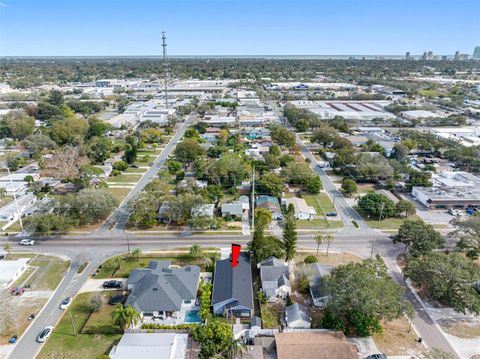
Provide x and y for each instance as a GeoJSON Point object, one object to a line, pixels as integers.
{"type": "Point", "coordinates": [233, 283]}
{"type": "Point", "coordinates": [159, 288]}
{"type": "Point", "coordinates": [297, 311]}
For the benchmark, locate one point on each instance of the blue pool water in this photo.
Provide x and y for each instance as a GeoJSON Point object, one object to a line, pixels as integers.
{"type": "Point", "coordinates": [191, 316]}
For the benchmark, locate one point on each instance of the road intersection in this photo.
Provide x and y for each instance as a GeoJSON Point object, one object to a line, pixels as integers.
{"type": "Point", "coordinates": [111, 239]}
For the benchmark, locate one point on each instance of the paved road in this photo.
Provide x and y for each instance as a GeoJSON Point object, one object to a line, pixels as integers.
{"type": "Point", "coordinates": [118, 220]}
{"type": "Point", "coordinates": [27, 347]}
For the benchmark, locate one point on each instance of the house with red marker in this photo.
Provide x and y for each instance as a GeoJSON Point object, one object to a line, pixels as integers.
{"type": "Point", "coordinates": [232, 288]}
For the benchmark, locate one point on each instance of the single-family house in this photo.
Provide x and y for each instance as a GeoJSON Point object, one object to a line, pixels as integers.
{"type": "Point", "coordinates": [11, 270]}
{"type": "Point", "coordinates": [237, 208]}
{"type": "Point", "coordinates": [232, 288]}
{"type": "Point", "coordinates": [315, 273]}
{"type": "Point", "coordinates": [314, 345]}
{"type": "Point", "coordinates": [302, 209]}
{"type": "Point", "coordinates": [275, 280]}
{"type": "Point", "coordinates": [164, 212]}
{"type": "Point", "coordinates": [270, 203]}
{"type": "Point", "coordinates": [162, 292]}
{"type": "Point", "coordinates": [297, 316]}
{"type": "Point", "coordinates": [13, 210]}
{"type": "Point", "coordinates": [150, 345]}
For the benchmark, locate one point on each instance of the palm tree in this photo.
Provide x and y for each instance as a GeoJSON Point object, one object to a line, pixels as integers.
{"type": "Point", "coordinates": [7, 247]}
{"type": "Point", "coordinates": [319, 239]}
{"type": "Point", "coordinates": [329, 239]}
{"type": "Point", "coordinates": [136, 253]}
{"type": "Point", "coordinates": [195, 251]}
{"type": "Point", "coordinates": [117, 263]}
{"type": "Point", "coordinates": [236, 347]}
{"type": "Point", "coordinates": [125, 317]}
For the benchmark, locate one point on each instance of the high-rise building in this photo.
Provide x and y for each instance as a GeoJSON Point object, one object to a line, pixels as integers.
{"type": "Point", "coordinates": [457, 56]}
{"type": "Point", "coordinates": [424, 57]}
{"type": "Point", "coordinates": [476, 53]}
{"type": "Point", "coordinates": [430, 55]}
{"type": "Point", "coordinates": [407, 56]}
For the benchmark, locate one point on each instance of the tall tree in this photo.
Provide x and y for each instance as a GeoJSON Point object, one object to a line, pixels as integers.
{"type": "Point", "coordinates": [468, 233]}
{"type": "Point", "coordinates": [448, 278]}
{"type": "Point", "coordinates": [419, 237]}
{"type": "Point", "coordinates": [290, 233]}
{"type": "Point", "coordinates": [362, 295]}
{"type": "Point", "coordinates": [319, 239]}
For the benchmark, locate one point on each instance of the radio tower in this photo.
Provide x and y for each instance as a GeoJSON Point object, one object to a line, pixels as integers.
{"type": "Point", "coordinates": [165, 66]}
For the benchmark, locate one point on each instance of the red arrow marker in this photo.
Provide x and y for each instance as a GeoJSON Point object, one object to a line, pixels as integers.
{"type": "Point", "coordinates": [235, 253]}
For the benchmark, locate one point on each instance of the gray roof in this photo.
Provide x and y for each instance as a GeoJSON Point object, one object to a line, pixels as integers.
{"type": "Point", "coordinates": [315, 272]}
{"type": "Point", "coordinates": [271, 261]}
{"type": "Point", "coordinates": [160, 288]}
{"type": "Point", "coordinates": [233, 283]}
{"type": "Point", "coordinates": [272, 278]}
{"type": "Point", "coordinates": [256, 322]}
{"type": "Point", "coordinates": [296, 312]}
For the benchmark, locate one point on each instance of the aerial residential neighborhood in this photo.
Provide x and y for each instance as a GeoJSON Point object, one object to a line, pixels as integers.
{"type": "Point", "coordinates": [247, 193]}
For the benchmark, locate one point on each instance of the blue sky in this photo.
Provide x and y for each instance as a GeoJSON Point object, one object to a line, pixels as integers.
{"type": "Point", "coordinates": [237, 27]}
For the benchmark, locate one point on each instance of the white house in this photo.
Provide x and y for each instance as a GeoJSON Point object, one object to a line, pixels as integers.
{"type": "Point", "coordinates": [302, 209]}
{"type": "Point", "coordinates": [10, 271]}
{"type": "Point", "coordinates": [297, 317]}
{"type": "Point", "coordinates": [150, 345]}
{"type": "Point", "coordinates": [9, 212]}
{"type": "Point", "coordinates": [275, 279]}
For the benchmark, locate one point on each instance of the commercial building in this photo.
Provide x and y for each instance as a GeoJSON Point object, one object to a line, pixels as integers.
{"type": "Point", "coordinates": [450, 190]}
{"type": "Point", "coordinates": [360, 111]}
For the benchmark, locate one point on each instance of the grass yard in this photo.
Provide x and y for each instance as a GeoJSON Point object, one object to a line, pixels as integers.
{"type": "Point", "coordinates": [135, 170]}
{"type": "Point", "coordinates": [388, 223]}
{"type": "Point", "coordinates": [322, 204]}
{"type": "Point", "coordinates": [96, 333]}
{"type": "Point", "coordinates": [118, 193]}
{"type": "Point", "coordinates": [271, 314]}
{"type": "Point", "coordinates": [397, 340]}
{"type": "Point", "coordinates": [49, 272]}
{"type": "Point", "coordinates": [124, 178]}
{"type": "Point", "coordinates": [365, 188]}
{"type": "Point", "coordinates": [109, 270]}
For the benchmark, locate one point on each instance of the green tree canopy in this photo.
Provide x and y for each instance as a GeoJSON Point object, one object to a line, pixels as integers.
{"type": "Point", "coordinates": [377, 204]}
{"type": "Point", "coordinates": [362, 295]}
{"type": "Point", "coordinates": [419, 237]}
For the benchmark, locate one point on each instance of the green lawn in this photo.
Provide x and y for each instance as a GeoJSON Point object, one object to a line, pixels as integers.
{"type": "Point", "coordinates": [322, 204]}
{"type": "Point", "coordinates": [118, 193]}
{"type": "Point", "coordinates": [49, 273]}
{"type": "Point", "coordinates": [109, 270]}
{"type": "Point", "coordinates": [388, 223]}
{"type": "Point", "coordinates": [95, 333]}
{"type": "Point", "coordinates": [135, 170]}
{"type": "Point", "coordinates": [123, 178]}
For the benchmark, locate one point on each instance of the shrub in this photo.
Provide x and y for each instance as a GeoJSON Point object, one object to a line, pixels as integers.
{"type": "Point", "coordinates": [310, 259]}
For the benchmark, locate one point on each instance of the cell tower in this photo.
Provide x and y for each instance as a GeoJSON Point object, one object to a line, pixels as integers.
{"type": "Point", "coordinates": [165, 66]}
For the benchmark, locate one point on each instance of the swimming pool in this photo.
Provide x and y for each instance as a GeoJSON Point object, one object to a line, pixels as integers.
{"type": "Point", "coordinates": [191, 316]}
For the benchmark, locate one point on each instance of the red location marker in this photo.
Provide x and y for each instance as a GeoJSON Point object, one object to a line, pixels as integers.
{"type": "Point", "coordinates": [235, 253]}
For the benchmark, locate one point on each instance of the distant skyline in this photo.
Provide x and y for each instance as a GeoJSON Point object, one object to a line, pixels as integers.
{"type": "Point", "coordinates": [237, 27]}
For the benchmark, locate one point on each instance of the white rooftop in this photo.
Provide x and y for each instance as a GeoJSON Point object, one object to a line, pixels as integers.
{"type": "Point", "coordinates": [150, 346]}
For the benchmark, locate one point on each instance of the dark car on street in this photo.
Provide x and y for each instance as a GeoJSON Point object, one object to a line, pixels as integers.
{"type": "Point", "coordinates": [112, 284]}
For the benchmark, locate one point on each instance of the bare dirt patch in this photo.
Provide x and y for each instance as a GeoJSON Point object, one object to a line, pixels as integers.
{"type": "Point", "coordinates": [396, 339]}
{"type": "Point", "coordinates": [462, 328]}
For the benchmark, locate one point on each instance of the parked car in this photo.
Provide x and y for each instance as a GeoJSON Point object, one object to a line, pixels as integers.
{"type": "Point", "coordinates": [331, 214]}
{"type": "Point", "coordinates": [13, 339]}
{"type": "Point", "coordinates": [133, 166]}
{"type": "Point", "coordinates": [66, 303]}
{"type": "Point", "coordinates": [27, 242]}
{"type": "Point", "coordinates": [377, 356]}
{"type": "Point", "coordinates": [17, 291]}
{"type": "Point", "coordinates": [44, 334]}
{"type": "Point", "coordinates": [112, 284]}
{"type": "Point", "coordinates": [117, 299]}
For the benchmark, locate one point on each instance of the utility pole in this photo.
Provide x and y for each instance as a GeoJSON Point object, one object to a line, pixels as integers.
{"type": "Point", "coordinates": [15, 198]}
{"type": "Point", "coordinates": [165, 66]}
{"type": "Point", "coordinates": [253, 200]}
